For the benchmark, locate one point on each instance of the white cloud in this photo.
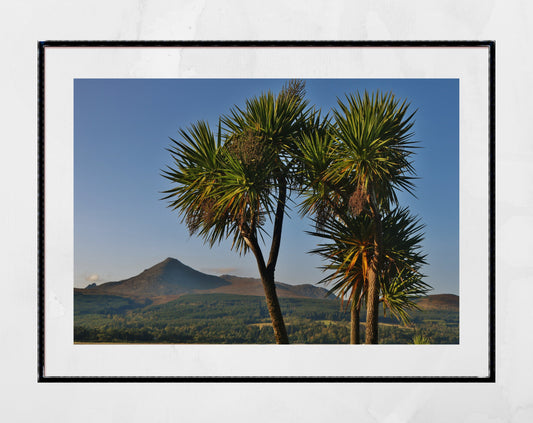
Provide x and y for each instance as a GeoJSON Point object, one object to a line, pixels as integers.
{"type": "Point", "coordinates": [93, 278]}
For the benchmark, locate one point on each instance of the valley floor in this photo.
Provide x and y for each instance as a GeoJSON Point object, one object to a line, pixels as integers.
{"type": "Point", "coordinates": [240, 319]}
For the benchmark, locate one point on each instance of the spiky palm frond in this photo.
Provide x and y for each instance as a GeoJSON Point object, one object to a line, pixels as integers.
{"type": "Point", "coordinates": [347, 253]}
{"type": "Point", "coordinates": [277, 120]}
{"type": "Point", "coordinates": [400, 291]}
{"type": "Point", "coordinates": [402, 238]}
{"type": "Point", "coordinates": [374, 133]}
{"type": "Point", "coordinates": [320, 197]}
{"type": "Point", "coordinates": [420, 339]}
{"type": "Point", "coordinates": [195, 170]}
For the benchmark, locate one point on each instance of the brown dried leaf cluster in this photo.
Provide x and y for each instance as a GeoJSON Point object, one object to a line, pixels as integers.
{"type": "Point", "coordinates": [204, 214]}
{"type": "Point", "coordinates": [358, 200]}
{"type": "Point", "coordinates": [295, 88]}
{"type": "Point", "coordinates": [248, 148]}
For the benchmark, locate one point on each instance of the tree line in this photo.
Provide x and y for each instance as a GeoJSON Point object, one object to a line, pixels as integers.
{"type": "Point", "coordinates": [225, 318]}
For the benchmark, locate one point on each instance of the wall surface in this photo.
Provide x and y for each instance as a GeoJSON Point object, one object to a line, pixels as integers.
{"type": "Point", "coordinates": [22, 24]}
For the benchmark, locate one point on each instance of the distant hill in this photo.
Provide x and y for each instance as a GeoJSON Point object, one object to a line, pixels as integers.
{"type": "Point", "coordinates": [447, 302]}
{"type": "Point", "coordinates": [253, 286]}
{"type": "Point", "coordinates": [171, 279]}
{"type": "Point", "coordinates": [168, 278]}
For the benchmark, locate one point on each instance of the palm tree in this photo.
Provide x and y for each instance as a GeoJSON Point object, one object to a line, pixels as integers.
{"type": "Point", "coordinates": [349, 250]}
{"type": "Point", "coordinates": [231, 184]}
{"type": "Point", "coordinates": [373, 161]}
{"type": "Point", "coordinates": [356, 168]}
{"type": "Point", "coordinates": [347, 256]}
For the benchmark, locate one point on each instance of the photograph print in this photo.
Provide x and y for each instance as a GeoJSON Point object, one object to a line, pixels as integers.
{"type": "Point", "coordinates": [310, 211]}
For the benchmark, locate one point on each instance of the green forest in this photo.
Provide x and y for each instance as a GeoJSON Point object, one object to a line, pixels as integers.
{"type": "Point", "coordinates": [243, 319]}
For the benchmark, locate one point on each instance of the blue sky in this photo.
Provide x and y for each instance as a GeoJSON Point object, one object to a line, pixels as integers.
{"type": "Point", "coordinates": [121, 132]}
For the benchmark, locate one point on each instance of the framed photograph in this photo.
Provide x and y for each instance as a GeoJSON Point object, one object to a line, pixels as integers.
{"type": "Point", "coordinates": [209, 211]}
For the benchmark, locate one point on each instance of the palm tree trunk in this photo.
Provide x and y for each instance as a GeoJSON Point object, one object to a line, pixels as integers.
{"type": "Point", "coordinates": [274, 309]}
{"type": "Point", "coordinates": [267, 276]}
{"type": "Point", "coordinates": [372, 307]}
{"type": "Point", "coordinates": [355, 312]}
{"type": "Point", "coordinates": [372, 304]}
{"type": "Point", "coordinates": [354, 326]}
{"type": "Point", "coordinates": [269, 286]}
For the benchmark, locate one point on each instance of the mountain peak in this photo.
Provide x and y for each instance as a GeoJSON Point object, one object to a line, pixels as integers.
{"type": "Point", "coordinates": [169, 277]}
{"type": "Point", "coordinates": [168, 263]}
{"type": "Point", "coordinates": [170, 260]}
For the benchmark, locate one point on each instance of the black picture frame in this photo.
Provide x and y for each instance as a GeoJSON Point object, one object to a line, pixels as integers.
{"type": "Point", "coordinates": [42, 378]}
